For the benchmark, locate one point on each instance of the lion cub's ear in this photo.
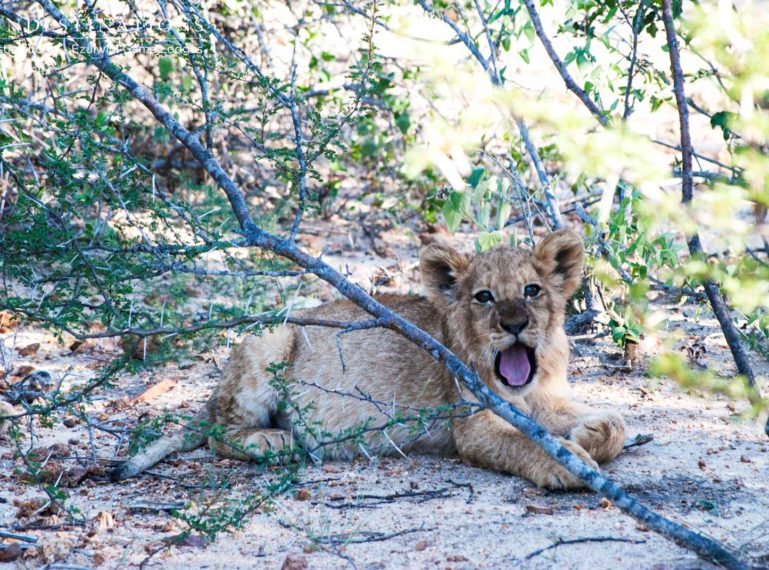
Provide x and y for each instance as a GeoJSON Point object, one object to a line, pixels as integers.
{"type": "Point", "coordinates": [559, 259]}
{"type": "Point", "coordinates": [441, 267]}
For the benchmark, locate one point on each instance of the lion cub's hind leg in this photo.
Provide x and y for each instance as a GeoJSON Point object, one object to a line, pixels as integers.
{"type": "Point", "coordinates": [247, 400]}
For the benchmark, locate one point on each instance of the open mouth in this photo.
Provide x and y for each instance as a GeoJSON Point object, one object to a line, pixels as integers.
{"type": "Point", "coordinates": [515, 366]}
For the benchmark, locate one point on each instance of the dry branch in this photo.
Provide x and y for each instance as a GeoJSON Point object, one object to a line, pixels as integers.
{"type": "Point", "coordinates": [256, 236]}
{"type": "Point", "coordinates": [571, 85]}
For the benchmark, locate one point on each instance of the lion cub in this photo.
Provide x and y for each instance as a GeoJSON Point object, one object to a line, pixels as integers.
{"type": "Point", "coordinates": [501, 312]}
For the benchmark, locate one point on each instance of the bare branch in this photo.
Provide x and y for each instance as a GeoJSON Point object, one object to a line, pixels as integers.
{"type": "Point", "coordinates": [552, 202]}
{"type": "Point", "coordinates": [636, 26]}
{"type": "Point", "coordinates": [571, 85]}
{"type": "Point", "coordinates": [463, 37]}
{"type": "Point", "coordinates": [265, 319]}
{"type": "Point", "coordinates": [299, 148]}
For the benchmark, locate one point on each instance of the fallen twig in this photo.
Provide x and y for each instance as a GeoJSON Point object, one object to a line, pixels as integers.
{"type": "Point", "coordinates": [360, 537]}
{"type": "Point", "coordinates": [471, 495]}
{"type": "Point", "coordinates": [15, 536]}
{"type": "Point", "coordinates": [638, 439]}
{"type": "Point", "coordinates": [562, 541]}
{"type": "Point", "coordinates": [375, 501]}
{"type": "Point", "coordinates": [154, 506]}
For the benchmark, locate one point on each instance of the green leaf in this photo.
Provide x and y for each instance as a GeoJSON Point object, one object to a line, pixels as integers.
{"type": "Point", "coordinates": [452, 210]}
{"type": "Point", "coordinates": [487, 240]}
{"type": "Point", "coordinates": [528, 31]}
{"type": "Point", "coordinates": [403, 121]}
{"type": "Point", "coordinates": [165, 67]}
{"type": "Point", "coordinates": [721, 120]}
{"type": "Point", "coordinates": [476, 176]}
{"type": "Point", "coordinates": [369, 148]}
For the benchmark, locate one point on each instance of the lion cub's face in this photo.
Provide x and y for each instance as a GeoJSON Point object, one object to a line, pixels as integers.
{"type": "Point", "coordinates": [504, 308]}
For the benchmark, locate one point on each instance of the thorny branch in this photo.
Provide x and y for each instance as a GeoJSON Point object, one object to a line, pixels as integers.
{"type": "Point", "coordinates": [256, 236]}
{"type": "Point", "coordinates": [299, 147]}
{"type": "Point", "coordinates": [265, 319]}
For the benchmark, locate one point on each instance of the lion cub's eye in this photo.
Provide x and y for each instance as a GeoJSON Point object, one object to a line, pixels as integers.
{"type": "Point", "coordinates": [484, 297]}
{"type": "Point", "coordinates": [531, 291]}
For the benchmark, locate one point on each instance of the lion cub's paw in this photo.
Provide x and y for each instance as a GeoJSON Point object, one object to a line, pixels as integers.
{"type": "Point", "coordinates": [552, 475]}
{"type": "Point", "coordinates": [601, 434]}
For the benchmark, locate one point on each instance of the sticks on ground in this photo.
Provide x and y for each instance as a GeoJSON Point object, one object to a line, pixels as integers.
{"type": "Point", "coordinates": [562, 541]}
{"type": "Point", "coordinates": [374, 501]}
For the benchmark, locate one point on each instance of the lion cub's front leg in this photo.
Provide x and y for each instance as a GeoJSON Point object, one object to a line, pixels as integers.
{"type": "Point", "coordinates": [600, 432]}
{"type": "Point", "coordinates": [486, 440]}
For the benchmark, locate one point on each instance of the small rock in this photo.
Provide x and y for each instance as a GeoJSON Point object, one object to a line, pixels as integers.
{"type": "Point", "coordinates": [537, 510]}
{"type": "Point", "coordinates": [606, 503]}
{"type": "Point", "coordinates": [10, 552]}
{"type": "Point", "coordinates": [195, 540]}
{"type": "Point", "coordinates": [30, 349]}
{"type": "Point", "coordinates": [294, 562]}
{"type": "Point", "coordinates": [421, 545]}
{"type": "Point", "coordinates": [745, 459]}
{"type": "Point", "coordinates": [302, 495]}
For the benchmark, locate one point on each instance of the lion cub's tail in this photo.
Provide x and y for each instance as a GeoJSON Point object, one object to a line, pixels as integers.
{"type": "Point", "coordinates": [191, 436]}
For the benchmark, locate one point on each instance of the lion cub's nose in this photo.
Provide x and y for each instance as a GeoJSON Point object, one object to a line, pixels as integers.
{"type": "Point", "coordinates": [515, 327]}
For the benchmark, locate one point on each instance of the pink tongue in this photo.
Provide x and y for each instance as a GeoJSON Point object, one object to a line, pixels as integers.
{"type": "Point", "coordinates": [514, 365]}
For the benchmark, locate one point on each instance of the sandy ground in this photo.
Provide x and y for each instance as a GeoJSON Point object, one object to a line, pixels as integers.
{"type": "Point", "coordinates": [706, 468]}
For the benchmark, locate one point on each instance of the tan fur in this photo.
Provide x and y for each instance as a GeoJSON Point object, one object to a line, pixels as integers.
{"type": "Point", "coordinates": [382, 371]}
{"type": "Point", "coordinates": [5, 423]}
